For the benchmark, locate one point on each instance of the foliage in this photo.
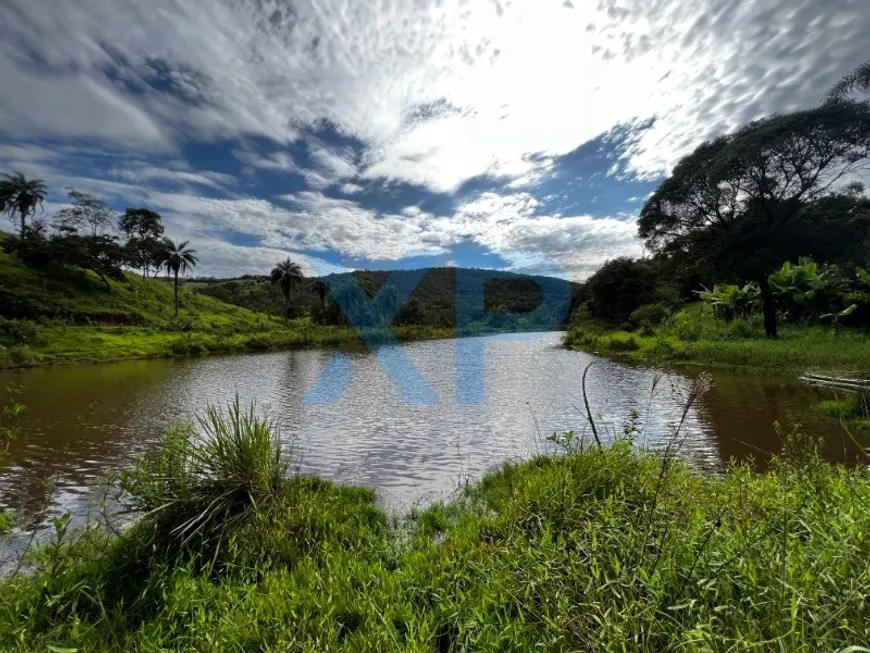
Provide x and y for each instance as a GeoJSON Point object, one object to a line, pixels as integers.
{"type": "Point", "coordinates": [20, 196]}
{"type": "Point", "coordinates": [649, 315]}
{"type": "Point", "coordinates": [432, 303]}
{"type": "Point", "coordinates": [286, 275]}
{"type": "Point", "coordinates": [200, 487]}
{"type": "Point", "coordinates": [728, 301]}
{"type": "Point", "coordinates": [620, 287]}
{"type": "Point", "coordinates": [11, 413]}
{"type": "Point", "coordinates": [856, 81]}
{"type": "Point", "coordinates": [765, 189]}
{"type": "Point", "coordinates": [145, 248]}
{"type": "Point", "coordinates": [86, 215]}
{"type": "Point", "coordinates": [179, 259]}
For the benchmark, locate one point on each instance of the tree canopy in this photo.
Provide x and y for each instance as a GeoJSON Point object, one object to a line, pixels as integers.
{"type": "Point", "coordinates": [745, 202]}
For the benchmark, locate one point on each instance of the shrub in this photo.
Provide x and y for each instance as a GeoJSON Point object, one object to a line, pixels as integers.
{"type": "Point", "coordinates": [618, 342]}
{"type": "Point", "coordinates": [20, 356]}
{"type": "Point", "coordinates": [687, 327]}
{"type": "Point", "coordinates": [649, 315]}
{"type": "Point", "coordinates": [21, 332]}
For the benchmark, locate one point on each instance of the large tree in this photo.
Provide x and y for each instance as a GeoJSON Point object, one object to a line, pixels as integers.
{"type": "Point", "coordinates": [19, 198]}
{"type": "Point", "coordinates": [746, 202]}
{"type": "Point", "coordinates": [286, 275]}
{"type": "Point", "coordinates": [144, 231]}
{"type": "Point", "coordinates": [858, 80]}
{"type": "Point", "coordinates": [179, 259]}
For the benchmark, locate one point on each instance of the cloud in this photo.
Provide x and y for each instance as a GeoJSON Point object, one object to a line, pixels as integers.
{"type": "Point", "coordinates": [438, 122]}
{"type": "Point", "coordinates": [439, 91]}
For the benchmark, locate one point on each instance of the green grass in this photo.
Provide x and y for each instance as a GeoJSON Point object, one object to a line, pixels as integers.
{"type": "Point", "coordinates": [690, 337]}
{"type": "Point", "coordinates": [74, 319]}
{"type": "Point", "coordinates": [593, 550]}
{"type": "Point", "coordinates": [852, 411]}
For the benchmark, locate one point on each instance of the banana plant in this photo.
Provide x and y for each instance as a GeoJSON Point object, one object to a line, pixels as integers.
{"type": "Point", "coordinates": [728, 301]}
{"type": "Point", "coordinates": [836, 317]}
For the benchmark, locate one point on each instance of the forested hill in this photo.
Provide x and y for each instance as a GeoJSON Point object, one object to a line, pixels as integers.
{"type": "Point", "coordinates": [432, 303]}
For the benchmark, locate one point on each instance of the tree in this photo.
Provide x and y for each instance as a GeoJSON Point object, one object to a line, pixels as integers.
{"type": "Point", "coordinates": [286, 275]}
{"type": "Point", "coordinates": [746, 202]}
{"type": "Point", "coordinates": [857, 80]}
{"type": "Point", "coordinates": [178, 261]}
{"type": "Point", "coordinates": [19, 197]}
{"type": "Point", "coordinates": [88, 216]}
{"type": "Point", "coordinates": [322, 292]}
{"type": "Point", "coordinates": [144, 231]}
{"type": "Point", "coordinates": [620, 287]}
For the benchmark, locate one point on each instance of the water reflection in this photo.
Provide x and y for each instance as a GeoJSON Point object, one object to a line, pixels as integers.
{"type": "Point", "coordinates": [87, 421]}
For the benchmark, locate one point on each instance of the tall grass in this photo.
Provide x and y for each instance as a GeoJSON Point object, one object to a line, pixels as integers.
{"type": "Point", "coordinates": [710, 342]}
{"type": "Point", "coordinates": [201, 485]}
{"type": "Point", "coordinates": [592, 548]}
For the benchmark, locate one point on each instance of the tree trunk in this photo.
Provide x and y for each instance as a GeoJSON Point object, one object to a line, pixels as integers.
{"type": "Point", "coordinates": [23, 223]}
{"type": "Point", "coordinates": [176, 293]}
{"type": "Point", "coordinates": [768, 308]}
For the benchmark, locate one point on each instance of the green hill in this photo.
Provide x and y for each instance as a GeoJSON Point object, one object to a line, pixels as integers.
{"type": "Point", "coordinates": [69, 316]}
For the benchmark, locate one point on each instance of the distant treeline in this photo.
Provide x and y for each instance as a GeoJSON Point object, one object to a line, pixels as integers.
{"type": "Point", "coordinates": [438, 300]}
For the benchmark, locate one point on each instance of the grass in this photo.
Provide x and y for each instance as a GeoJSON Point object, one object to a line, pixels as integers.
{"type": "Point", "coordinates": [852, 411]}
{"type": "Point", "coordinates": [593, 549]}
{"type": "Point", "coordinates": [73, 319]}
{"type": "Point", "coordinates": [690, 337]}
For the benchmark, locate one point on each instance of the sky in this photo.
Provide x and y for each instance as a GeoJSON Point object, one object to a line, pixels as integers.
{"type": "Point", "coordinates": [347, 134]}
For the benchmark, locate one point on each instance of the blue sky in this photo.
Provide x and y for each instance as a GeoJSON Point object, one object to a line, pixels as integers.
{"type": "Point", "coordinates": [399, 133]}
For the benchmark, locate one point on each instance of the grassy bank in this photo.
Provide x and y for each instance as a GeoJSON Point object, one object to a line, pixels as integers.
{"type": "Point", "coordinates": [594, 550]}
{"type": "Point", "coordinates": [712, 342]}
{"type": "Point", "coordinates": [71, 317]}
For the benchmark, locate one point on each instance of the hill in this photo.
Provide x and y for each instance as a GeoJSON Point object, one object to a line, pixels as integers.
{"type": "Point", "coordinates": [64, 314]}
{"type": "Point", "coordinates": [69, 316]}
{"type": "Point", "coordinates": [433, 303]}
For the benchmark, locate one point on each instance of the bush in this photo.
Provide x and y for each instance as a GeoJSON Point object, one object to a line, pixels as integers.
{"type": "Point", "coordinates": [198, 488]}
{"type": "Point", "coordinates": [649, 315]}
{"type": "Point", "coordinates": [688, 327]}
{"type": "Point", "coordinates": [21, 332]}
{"type": "Point", "coordinates": [740, 328]}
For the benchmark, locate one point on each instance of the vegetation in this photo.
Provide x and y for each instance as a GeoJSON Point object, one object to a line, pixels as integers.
{"type": "Point", "coordinates": [855, 410]}
{"type": "Point", "coordinates": [180, 259]}
{"type": "Point", "coordinates": [286, 275]}
{"type": "Point", "coordinates": [765, 227]}
{"type": "Point", "coordinates": [228, 554]}
{"type": "Point", "coordinates": [70, 317]}
{"type": "Point", "coordinates": [19, 197]}
{"type": "Point", "coordinates": [436, 300]}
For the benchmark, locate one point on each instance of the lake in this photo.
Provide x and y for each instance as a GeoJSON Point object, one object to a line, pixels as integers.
{"type": "Point", "coordinates": [85, 422]}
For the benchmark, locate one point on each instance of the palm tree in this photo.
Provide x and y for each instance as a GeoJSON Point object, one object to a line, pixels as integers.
{"type": "Point", "coordinates": [19, 196]}
{"type": "Point", "coordinates": [179, 259]}
{"type": "Point", "coordinates": [286, 275]}
{"type": "Point", "coordinates": [857, 80]}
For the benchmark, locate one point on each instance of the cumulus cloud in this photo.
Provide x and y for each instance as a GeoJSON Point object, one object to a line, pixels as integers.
{"type": "Point", "coordinates": [433, 93]}
{"type": "Point", "coordinates": [439, 90]}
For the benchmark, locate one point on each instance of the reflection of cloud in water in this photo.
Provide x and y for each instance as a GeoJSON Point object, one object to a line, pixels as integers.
{"type": "Point", "coordinates": [89, 420]}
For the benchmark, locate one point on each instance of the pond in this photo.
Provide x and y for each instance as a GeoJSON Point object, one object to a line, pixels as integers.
{"type": "Point", "coordinates": [85, 422]}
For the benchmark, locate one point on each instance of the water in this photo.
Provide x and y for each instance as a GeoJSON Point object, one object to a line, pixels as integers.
{"type": "Point", "coordinates": [88, 421]}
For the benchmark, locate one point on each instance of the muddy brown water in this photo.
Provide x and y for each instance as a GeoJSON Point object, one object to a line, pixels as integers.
{"type": "Point", "coordinates": [85, 422]}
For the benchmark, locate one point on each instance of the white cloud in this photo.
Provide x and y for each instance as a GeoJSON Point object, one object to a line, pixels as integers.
{"type": "Point", "coordinates": [500, 79]}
